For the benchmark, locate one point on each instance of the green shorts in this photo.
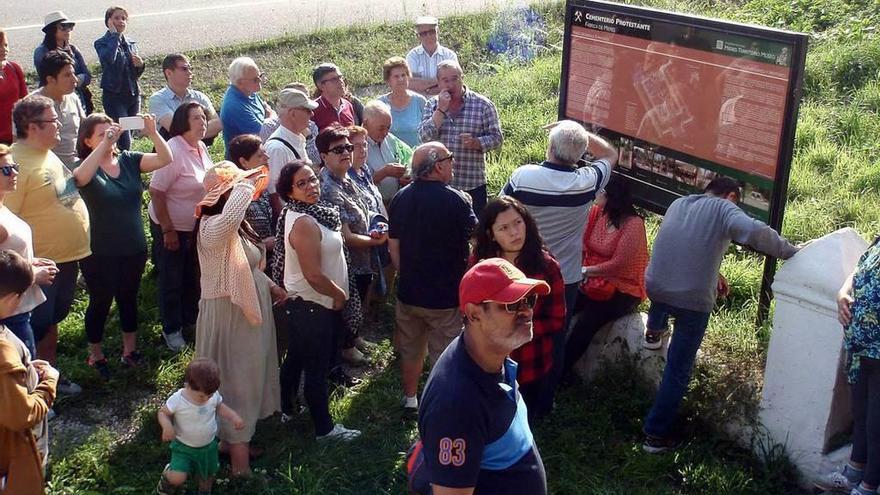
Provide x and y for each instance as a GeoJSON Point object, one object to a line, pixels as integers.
{"type": "Point", "coordinates": [202, 461]}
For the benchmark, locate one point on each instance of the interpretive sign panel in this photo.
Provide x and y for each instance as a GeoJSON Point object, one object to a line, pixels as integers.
{"type": "Point", "coordinates": [685, 99]}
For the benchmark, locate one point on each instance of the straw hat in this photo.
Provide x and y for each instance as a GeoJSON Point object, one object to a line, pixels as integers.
{"type": "Point", "coordinates": [223, 176]}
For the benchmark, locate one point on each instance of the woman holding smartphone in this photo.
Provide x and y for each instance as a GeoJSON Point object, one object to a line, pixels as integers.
{"type": "Point", "coordinates": [110, 184]}
{"type": "Point", "coordinates": [120, 69]}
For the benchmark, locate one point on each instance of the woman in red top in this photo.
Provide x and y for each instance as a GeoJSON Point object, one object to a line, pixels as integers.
{"type": "Point", "coordinates": [616, 250]}
{"type": "Point", "coordinates": [507, 230]}
{"type": "Point", "coordinates": [12, 89]}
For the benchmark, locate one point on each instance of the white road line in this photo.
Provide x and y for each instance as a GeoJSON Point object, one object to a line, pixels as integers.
{"type": "Point", "coordinates": [165, 12]}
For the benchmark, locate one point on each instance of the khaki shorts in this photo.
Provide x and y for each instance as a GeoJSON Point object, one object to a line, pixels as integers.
{"type": "Point", "coordinates": [421, 330]}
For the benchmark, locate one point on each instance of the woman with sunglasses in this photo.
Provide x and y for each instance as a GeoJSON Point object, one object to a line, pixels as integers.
{"type": "Point", "coordinates": [58, 27]}
{"type": "Point", "coordinates": [310, 259]}
{"type": "Point", "coordinates": [15, 235]}
{"type": "Point", "coordinates": [111, 186]}
{"type": "Point", "coordinates": [13, 87]}
{"type": "Point", "coordinates": [507, 230]}
{"type": "Point", "coordinates": [121, 67]}
{"type": "Point", "coordinates": [356, 211]}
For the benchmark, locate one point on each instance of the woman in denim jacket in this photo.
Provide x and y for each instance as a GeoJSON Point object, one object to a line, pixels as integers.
{"type": "Point", "coordinates": [121, 67]}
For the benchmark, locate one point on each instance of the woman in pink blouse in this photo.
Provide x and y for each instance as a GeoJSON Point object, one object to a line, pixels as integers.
{"type": "Point", "coordinates": [175, 190]}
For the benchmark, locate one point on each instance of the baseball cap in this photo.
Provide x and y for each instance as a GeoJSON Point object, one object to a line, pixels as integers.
{"type": "Point", "coordinates": [497, 280]}
{"type": "Point", "coordinates": [294, 98]}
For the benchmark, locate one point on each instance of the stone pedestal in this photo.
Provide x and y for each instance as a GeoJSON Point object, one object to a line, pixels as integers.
{"type": "Point", "coordinates": [805, 400]}
{"type": "Point", "coordinates": [623, 337]}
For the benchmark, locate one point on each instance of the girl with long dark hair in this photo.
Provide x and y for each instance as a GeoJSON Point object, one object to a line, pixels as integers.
{"type": "Point", "coordinates": [58, 29]}
{"type": "Point", "coordinates": [507, 230]}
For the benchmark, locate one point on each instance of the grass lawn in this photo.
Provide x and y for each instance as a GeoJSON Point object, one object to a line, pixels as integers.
{"type": "Point", "coordinates": [107, 440]}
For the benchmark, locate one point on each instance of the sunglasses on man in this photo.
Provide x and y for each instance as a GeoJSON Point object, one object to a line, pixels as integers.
{"type": "Point", "coordinates": [515, 307]}
{"type": "Point", "coordinates": [6, 170]}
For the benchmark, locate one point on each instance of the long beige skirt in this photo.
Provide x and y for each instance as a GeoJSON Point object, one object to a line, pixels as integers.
{"type": "Point", "coordinates": [247, 357]}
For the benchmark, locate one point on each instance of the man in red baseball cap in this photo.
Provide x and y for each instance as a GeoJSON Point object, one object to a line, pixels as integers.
{"type": "Point", "coordinates": [473, 423]}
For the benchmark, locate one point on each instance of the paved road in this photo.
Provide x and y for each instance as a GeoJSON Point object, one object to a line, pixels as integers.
{"type": "Point", "coordinates": [165, 26]}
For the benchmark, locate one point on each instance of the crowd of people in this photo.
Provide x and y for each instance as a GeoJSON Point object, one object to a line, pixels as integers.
{"type": "Point", "coordinates": [271, 259]}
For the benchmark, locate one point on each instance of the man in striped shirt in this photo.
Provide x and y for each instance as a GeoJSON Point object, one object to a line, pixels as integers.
{"type": "Point", "coordinates": [466, 122]}
{"type": "Point", "coordinates": [559, 195]}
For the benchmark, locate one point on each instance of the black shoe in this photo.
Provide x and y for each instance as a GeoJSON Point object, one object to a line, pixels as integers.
{"type": "Point", "coordinates": [339, 377]}
{"type": "Point", "coordinates": [102, 368]}
{"type": "Point", "coordinates": [658, 445]}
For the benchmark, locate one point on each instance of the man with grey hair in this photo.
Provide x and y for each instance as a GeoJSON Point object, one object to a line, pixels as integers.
{"type": "Point", "coordinates": [388, 157]}
{"type": "Point", "coordinates": [424, 59]}
{"type": "Point", "coordinates": [467, 123]}
{"type": "Point", "coordinates": [243, 111]}
{"type": "Point", "coordinates": [288, 142]}
{"type": "Point", "coordinates": [430, 224]}
{"type": "Point", "coordinates": [559, 193]}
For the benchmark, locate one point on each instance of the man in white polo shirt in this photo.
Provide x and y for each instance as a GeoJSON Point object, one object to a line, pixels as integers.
{"type": "Point", "coordinates": [288, 142]}
{"type": "Point", "coordinates": [423, 59]}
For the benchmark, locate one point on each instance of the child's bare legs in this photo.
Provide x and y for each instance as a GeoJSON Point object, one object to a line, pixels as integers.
{"type": "Point", "coordinates": [170, 481]}
{"type": "Point", "coordinates": [239, 458]}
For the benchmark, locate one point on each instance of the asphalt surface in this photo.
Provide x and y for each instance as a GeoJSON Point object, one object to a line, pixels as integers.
{"type": "Point", "coordinates": [166, 26]}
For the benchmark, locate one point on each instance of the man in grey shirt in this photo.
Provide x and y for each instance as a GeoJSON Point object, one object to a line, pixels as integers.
{"type": "Point", "coordinates": [683, 282]}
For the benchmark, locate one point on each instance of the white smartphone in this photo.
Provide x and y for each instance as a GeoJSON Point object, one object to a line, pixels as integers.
{"type": "Point", "coordinates": [135, 123]}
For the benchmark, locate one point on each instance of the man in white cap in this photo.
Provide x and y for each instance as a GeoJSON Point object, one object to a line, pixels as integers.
{"type": "Point", "coordinates": [423, 59]}
{"type": "Point", "coordinates": [288, 142]}
{"type": "Point", "coordinates": [473, 424]}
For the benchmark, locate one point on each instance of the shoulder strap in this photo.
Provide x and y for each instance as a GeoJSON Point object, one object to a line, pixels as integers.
{"type": "Point", "coordinates": [288, 145]}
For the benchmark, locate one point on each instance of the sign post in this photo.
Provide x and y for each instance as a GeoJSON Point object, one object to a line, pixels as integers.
{"type": "Point", "coordinates": [687, 99]}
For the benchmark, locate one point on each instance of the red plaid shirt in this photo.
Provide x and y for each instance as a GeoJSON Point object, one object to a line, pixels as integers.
{"type": "Point", "coordinates": [536, 357]}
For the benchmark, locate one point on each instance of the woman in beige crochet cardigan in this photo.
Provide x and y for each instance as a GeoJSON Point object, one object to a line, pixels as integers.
{"type": "Point", "coordinates": [235, 327]}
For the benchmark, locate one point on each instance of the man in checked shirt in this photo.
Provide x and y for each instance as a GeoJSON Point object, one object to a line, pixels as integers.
{"type": "Point", "coordinates": [466, 122]}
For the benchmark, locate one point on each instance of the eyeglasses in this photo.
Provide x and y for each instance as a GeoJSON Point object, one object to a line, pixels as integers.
{"type": "Point", "coordinates": [516, 307]}
{"type": "Point", "coordinates": [56, 121]}
{"type": "Point", "coordinates": [422, 34]}
{"type": "Point", "coordinates": [65, 27]}
{"type": "Point", "coordinates": [187, 68]}
{"type": "Point", "coordinates": [261, 78]}
{"type": "Point", "coordinates": [450, 156]}
{"type": "Point", "coordinates": [342, 148]}
{"type": "Point", "coordinates": [334, 80]}
{"type": "Point", "coordinates": [6, 170]}
{"type": "Point", "coordinates": [302, 184]}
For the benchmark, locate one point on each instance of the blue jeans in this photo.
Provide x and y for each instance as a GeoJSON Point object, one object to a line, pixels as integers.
{"type": "Point", "coordinates": [121, 105]}
{"type": "Point", "coordinates": [59, 299]}
{"type": "Point", "coordinates": [20, 326]}
{"type": "Point", "coordinates": [690, 326]}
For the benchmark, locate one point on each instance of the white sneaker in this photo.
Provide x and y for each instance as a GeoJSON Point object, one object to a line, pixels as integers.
{"type": "Point", "coordinates": [67, 387]}
{"type": "Point", "coordinates": [411, 404]}
{"type": "Point", "coordinates": [840, 481]}
{"type": "Point", "coordinates": [340, 432]}
{"type": "Point", "coordinates": [174, 341]}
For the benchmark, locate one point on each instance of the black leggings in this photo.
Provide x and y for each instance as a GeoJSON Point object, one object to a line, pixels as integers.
{"type": "Point", "coordinates": [865, 403]}
{"type": "Point", "coordinates": [108, 278]}
{"type": "Point", "coordinates": [589, 316]}
{"type": "Point", "coordinates": [310, 350]}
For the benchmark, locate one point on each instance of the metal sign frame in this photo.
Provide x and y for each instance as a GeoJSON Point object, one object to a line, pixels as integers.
{"type": "Point", "coordinates": [798, 43]}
